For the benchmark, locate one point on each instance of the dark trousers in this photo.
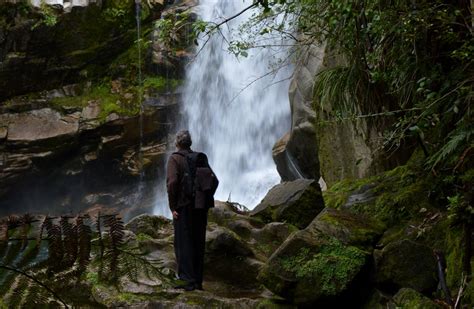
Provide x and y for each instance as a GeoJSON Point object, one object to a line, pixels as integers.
{"type": "Point", "coordinates": [189, 243]}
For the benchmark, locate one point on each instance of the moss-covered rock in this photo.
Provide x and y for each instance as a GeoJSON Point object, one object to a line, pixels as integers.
{"type": "Point", "coordinates": [229, 258]}
{"type": "Point", "coordinates": [352, 229]}
{"type": "Point", "coordinates": [295, 202]}
{"type": "Point", "coordinates": [405, 263]}
{"type": "Point", "coordinates": [411, 299]}
{"type": "Point", "coordinates": [310, 267]}
{"type": "Point", "coordinates": [391, 197]}
{"type": "Point", "coordinates": [153, 226]}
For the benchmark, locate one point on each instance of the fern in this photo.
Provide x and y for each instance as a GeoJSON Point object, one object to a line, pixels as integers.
{"type": "Point", "coordinates": [18, 293]}
{"type": "Point", "coordinates": [84, 245]}
{"type": "Point", "coordinates": [36, 273]}
{"type": "Point", "coordinates": [457, 141]}
{"type": "Point", "coordinates": [26, 221]}
{"type": "Point", "coordinates": [55, 246]}
{"type": "Point", "coordinates": [116, 234]}
{"type": "Point", "coordinates": [101, 244]}
{"type": "Point", "coordinates": [70, 242]}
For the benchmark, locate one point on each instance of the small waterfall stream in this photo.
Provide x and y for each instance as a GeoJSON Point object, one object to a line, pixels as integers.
{"type": "Point", "coordinates": [234, 110]}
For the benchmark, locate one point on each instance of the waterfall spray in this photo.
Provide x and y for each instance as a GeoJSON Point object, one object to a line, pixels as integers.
{"type": "Point", "coordinates": [233, 113]}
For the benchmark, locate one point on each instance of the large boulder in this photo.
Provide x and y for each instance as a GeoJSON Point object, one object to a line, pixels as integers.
{"type": "Point", "coordinates": [229, 258]}
{"type": "Point", "coordinates": [406, 263]}
{"type": "Point", "coordinates": [296, 202]}
{"type": "Point", "coordinates": [409, 298]}
{"type": "Point", "coordinates": [350, 228]}
{"type": "Point", "coordinates": [299, 150]}
{"type": "Point", "coordinates": [311, 267]}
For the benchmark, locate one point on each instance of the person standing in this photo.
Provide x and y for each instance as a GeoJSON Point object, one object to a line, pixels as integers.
{"type": "Point", "coordinates": [191, 184]}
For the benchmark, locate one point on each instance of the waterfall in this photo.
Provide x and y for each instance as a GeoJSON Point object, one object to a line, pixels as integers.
{"type": "Point", "coordinates": [235, 110]}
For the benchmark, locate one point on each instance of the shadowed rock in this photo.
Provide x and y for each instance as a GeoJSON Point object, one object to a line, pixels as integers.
{"type": "Point", "coordinates": [405, 263]}
{"type": "Point", "coordinates": [296, 202]}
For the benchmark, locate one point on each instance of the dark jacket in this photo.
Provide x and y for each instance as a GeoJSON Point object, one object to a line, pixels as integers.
{"type": "Point", "coordinates": [205, 182]}
{"type": "Point", "coordinates": [174, 174]}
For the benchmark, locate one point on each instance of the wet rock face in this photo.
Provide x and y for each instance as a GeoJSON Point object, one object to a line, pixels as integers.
{"type": "Point", "coordinates": [77, 153]}
{"type": "Point", "coordinates": [296, 202]}
{"type": "Point", "coordinates": [83, 39]}
{"type": "Point", "coordinates": [40, 125]}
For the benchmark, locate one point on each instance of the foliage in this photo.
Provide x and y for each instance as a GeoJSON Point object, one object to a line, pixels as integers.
{"type": "Point", "coordinates": [331, 266]}
{"type": "Point", "coordinates": [48, 267]}
{"type": "Point", "coordinates": [175, 26]}
{"type": "Point", "coordinates": [49, 17]}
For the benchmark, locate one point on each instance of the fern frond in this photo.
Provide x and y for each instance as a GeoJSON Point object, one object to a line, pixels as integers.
{"type": "Point", "coordinates": [25, 222]}
{"type": "Point", "coordinates": [18, 292]}
{"type": "Point", "coordinates": [55, 246]}
{"type": "Point", "coordinates": [70, 242]}
{"type": "Point", "coordinates": [37, 297]}
{"type": "Point", "coordinates": [39, 239]}
{"type": "Point", "coordinates": [457, 140]}
{"type": "Point", "coordinates": [84, 235]}
{"type": "Point", "coordinates": [101, 244]}
{"type": "Point", "coordinates": [116, 235]}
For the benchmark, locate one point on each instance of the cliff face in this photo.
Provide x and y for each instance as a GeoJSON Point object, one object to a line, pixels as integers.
{"type": "Point", "coordinates": [318, 145]}
{"type": "Point", "coordinates": [71, 93]}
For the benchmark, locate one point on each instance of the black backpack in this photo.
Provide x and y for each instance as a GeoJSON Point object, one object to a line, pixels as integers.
{"type": "Point", "coordinates": [199, 190]}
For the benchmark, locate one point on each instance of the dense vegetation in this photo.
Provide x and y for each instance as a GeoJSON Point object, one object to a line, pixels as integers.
{"type": "Point", "coordinates": [406, 62]}
{"type": "Point", "coordinates": [51, 261]}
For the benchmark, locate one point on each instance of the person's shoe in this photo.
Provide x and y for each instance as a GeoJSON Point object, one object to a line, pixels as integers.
{"type": "Point", "coordinates": [187, 287]}
{"type": "Point", "coordinates": [198, 286]}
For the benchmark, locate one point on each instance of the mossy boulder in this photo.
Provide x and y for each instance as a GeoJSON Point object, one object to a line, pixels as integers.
{"type": "Point", "coordinates": [311, 267]}
{"type": "Point", "coordinates": [391, 197]}
{"type": "Point", "coordinates": [409, 298]}
{"type": "Point", "coordinates": [406, 263]}
{"type": "Point", "coordinates": [349, 228]}
{"type": "Point", "coordinates": [229, 258]}
{"type": "Point", "coordinates": [295, 202]}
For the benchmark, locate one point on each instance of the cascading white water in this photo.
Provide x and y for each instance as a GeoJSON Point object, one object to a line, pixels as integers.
{"type": "Point", "coordinates": [234, 109]}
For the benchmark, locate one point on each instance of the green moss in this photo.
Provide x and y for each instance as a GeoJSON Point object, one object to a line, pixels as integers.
{"type": "Point", "coordinates": [109, 102]}
{"type": "Point", "coordinates": [161, 84]}
{"type": "Point", "coordinates": [303, 210]}
{"type": "Point", "coordinates": [454, 256]}
{"type": "Point", "coordinates": [143, 237]}
{"type": "Point", "coordinates": [332, 267]}
{"type": "Point", "coordinates": [337, 195]}
{"type": "Point", "coordinates": [398, 194]}
{"type": "Point", "coordinates": [409, 298]}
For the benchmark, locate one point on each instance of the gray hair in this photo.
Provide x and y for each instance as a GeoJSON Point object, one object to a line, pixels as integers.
{"type": "Point", "coordinates": [183, 139]}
